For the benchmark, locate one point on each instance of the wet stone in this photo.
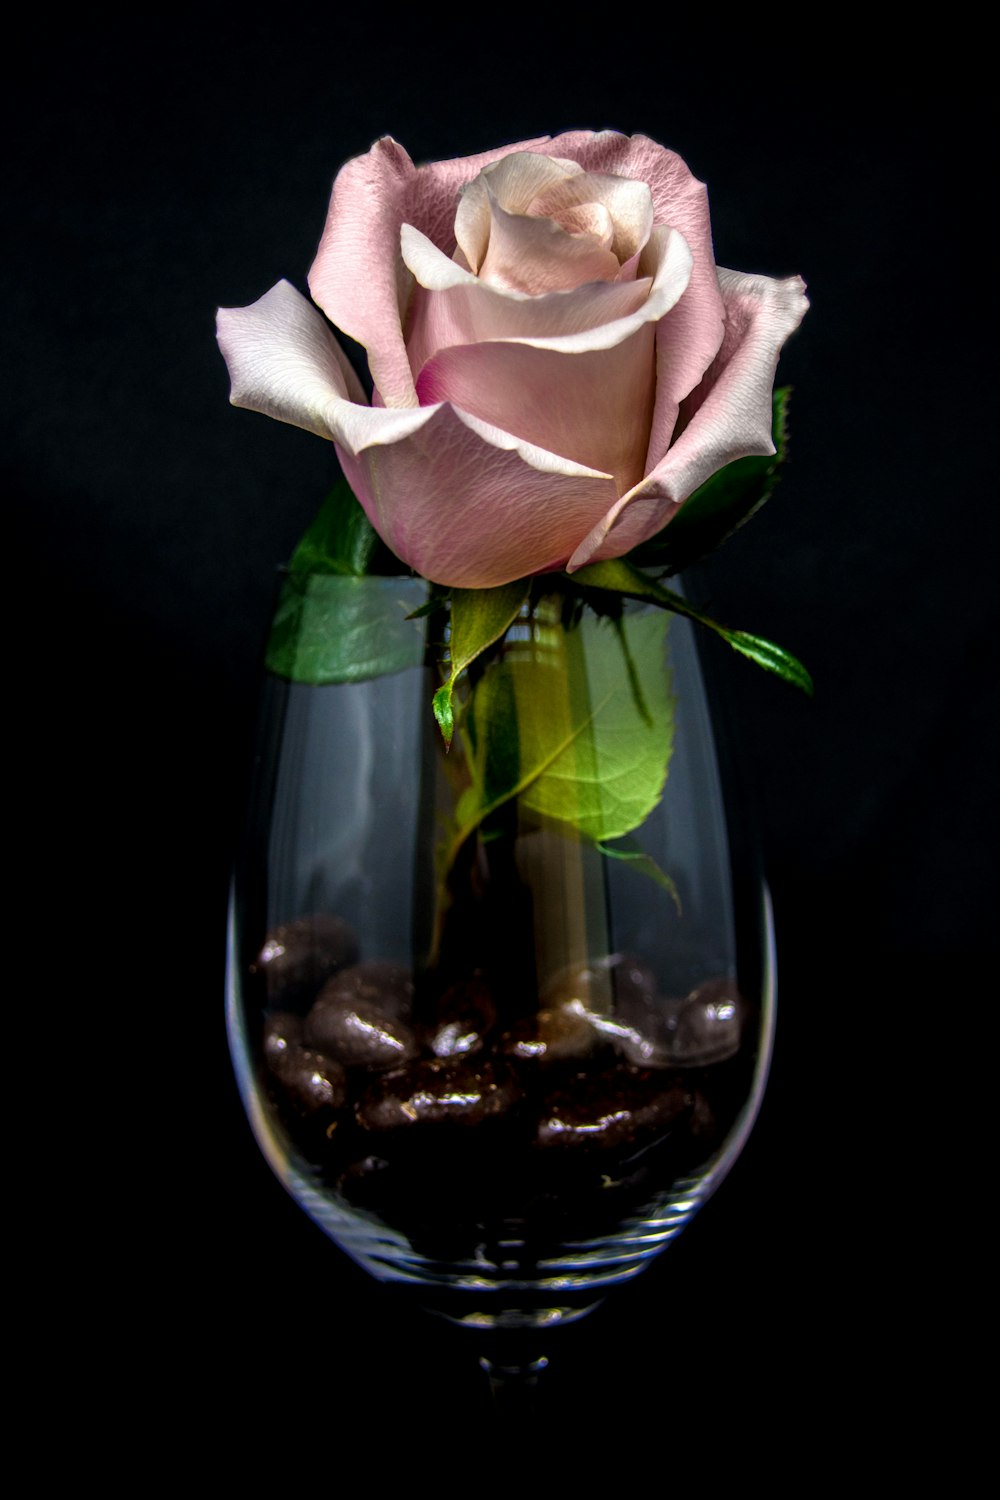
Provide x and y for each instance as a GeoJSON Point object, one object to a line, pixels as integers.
{"type": "Point", "coordinates": [588, 986]}
{"type": "Point", "coordinates": [377, 981]}
{"type": "Point", "coordinates": [616, 999]}
{"type": "Point", "coordinates": [620, 1108]}
{"type": "Point", "coordinates": [638, 1024]}
{"type": "Point", "coordinates": [360, 1016]}
{"type": "Point", "coordinates": [646, 1028]}
{"type": "Point", "coordinates": [282, 1031]}
{"type": "Point", "coordinates": [452, 1091]}
{"type": "Point", "coordinates": [466, 1016]}
{"type": "Point", "coordinates": [655, 1032]}
{"type": "Point", "coordinates": [298, 957]}
{"type": "Point", "coordinates": [559, 1033]}
{"type": "Point", "coordinates": [709, 1024]}
{"type": "Point", "coordinates": [311, 1081]}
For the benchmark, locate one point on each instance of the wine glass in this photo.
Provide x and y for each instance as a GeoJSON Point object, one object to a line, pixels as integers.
{"type": "Point", "coordinates": [499, 1051]}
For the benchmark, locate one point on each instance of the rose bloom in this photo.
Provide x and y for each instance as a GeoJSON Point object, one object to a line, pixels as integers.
{"type": "Point", "coordinates": [558, 362]}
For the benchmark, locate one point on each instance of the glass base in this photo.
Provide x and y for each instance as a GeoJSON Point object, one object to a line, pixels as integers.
{"type": "Point", "coordinates": [505, 1284]}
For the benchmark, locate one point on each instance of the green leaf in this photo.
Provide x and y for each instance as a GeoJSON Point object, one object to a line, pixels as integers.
{"type": "Point", "coordinates": [620, 576]}
{"type": "Point", "coordinates": [721, 505]}
{"type": "Point", "coordinates": [767, 655]}
{"type": "Point", "coordinates": [479, 617]}
{"type": "Point", "coordinates": [328, 628]}
{"type": "Point", "coordinates": [591, 752]}
{"type": "Point", "coordinates": [637, 859]}
{"type": "Point", "coordinates": [341, 540]}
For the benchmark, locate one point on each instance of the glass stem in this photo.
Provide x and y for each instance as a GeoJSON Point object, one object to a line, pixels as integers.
{"type": "Point", "coordinates": [513, 1386]}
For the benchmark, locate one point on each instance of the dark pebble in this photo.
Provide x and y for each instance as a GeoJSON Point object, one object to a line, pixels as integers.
{"type": "Point", "coordinates": [641, 1027]}
{"type": "Point", "coordinates": [647, 1026]}
{"type": "Point", "coordinates": [298, 957]}
{"type": "Point", "coordinates": [360, 1017]}
{"type": "Point", "coordinates": [615, 999]}
{"type": "Point", "coordinates": [282, 1031]}
{"type": "Point", "coordinates": [589, 985]}
{"type": "Point", "coordinates": [559, 1033]}
{"type": "Point", "coordinates": [452, 1091]}
{"type": "Point", "coordinates": [620, 1108]}
{"type": "Point", "coordinates": [466, 1015]}
{"type": "Point", "coordinates": [709, 1024]}
{"type": "Point", "coordinates": [379, 982]}
{"type": "Point", "coordinates": [311, 1081]}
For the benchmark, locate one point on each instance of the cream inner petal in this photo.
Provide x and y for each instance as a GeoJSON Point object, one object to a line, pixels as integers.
{"type": "Point", "coordinates": [628, 204]}
{"type": "Point", "coordinates": [513, 182]}
{"type": "Point", "coordinates": [591, 219]}
{"type": "Point", "coordinates": [536, 255]}
{"type": "Point", "coordinates": [517, 179]}
{"type": "Point", "coordinates": [451, 306]}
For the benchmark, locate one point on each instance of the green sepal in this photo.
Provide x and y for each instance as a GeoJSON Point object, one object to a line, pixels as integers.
{"type": "Point", "coordinates": [621, 577]}
{"type": "Point", "coordinates": [721, 505]}
{"type": "Point", "coordinates": [341, 540]}
{"type": "Point", "coordinates": [479, 617]}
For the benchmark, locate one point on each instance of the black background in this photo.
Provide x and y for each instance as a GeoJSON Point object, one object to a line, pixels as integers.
{"type": "Point", "coordinates": [161, 170]}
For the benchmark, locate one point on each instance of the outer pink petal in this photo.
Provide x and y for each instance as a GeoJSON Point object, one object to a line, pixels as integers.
{"type": "Point", "coordinates": [470, 506]}
{"type": "Point", "coordinates": [284, 361]}
{"type": "Point", "coordinates": [358, 276]}
{"type": "Point", "coordinates": [690, 335]}
{"type": "Point", "coordinates": [727, 417]}
{"type": "Point", "coordinates": [588, 396]}
{"type": "Point", "coordinates": [460, 501]}
{"type": "Point", "coordinates": [594, 408]}
{"type": "Point", "coordinates": [666, 174]}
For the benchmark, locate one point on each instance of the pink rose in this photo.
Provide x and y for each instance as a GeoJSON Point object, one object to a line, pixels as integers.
{"type": "Point", "coordinates": [558, 361]}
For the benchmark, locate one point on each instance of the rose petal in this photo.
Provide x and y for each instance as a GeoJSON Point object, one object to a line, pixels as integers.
{"type": "Point", "coordinates": [687, 340]}
{"type": "Point", "coordinates": [691, 333]}
{"type": "Point", "coordinates": [629, 204]}
{"type": "Point", "coordinates": [372, 196]}
{"type": "Point", "coordinates": [703, 417]}
{"type": "Point", "coordinates": [594, 408]}
{"type": "Point", "coordinates": [375, 194]}
{"type": "Point", "coordinates": [284, 361]}
{"type": "Point", "coordinates": [470, 506]}
{"type": "Point", "coordinates": [463, 310]}
{"type": "Point", "coordinates": [426, 476]}
{"type": "Point", "coordinates": [587, 396]}
{"type": "Point", "coordinates": [513, 182]}
{"type": "Point", "coordinates": [636, 157]}
{"type": "Point", "coordinates": [589, 219]}
{"type": "Point", "coordinates": [727, 417]}
{"type": "Point", "coordinates": [538, 255]}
